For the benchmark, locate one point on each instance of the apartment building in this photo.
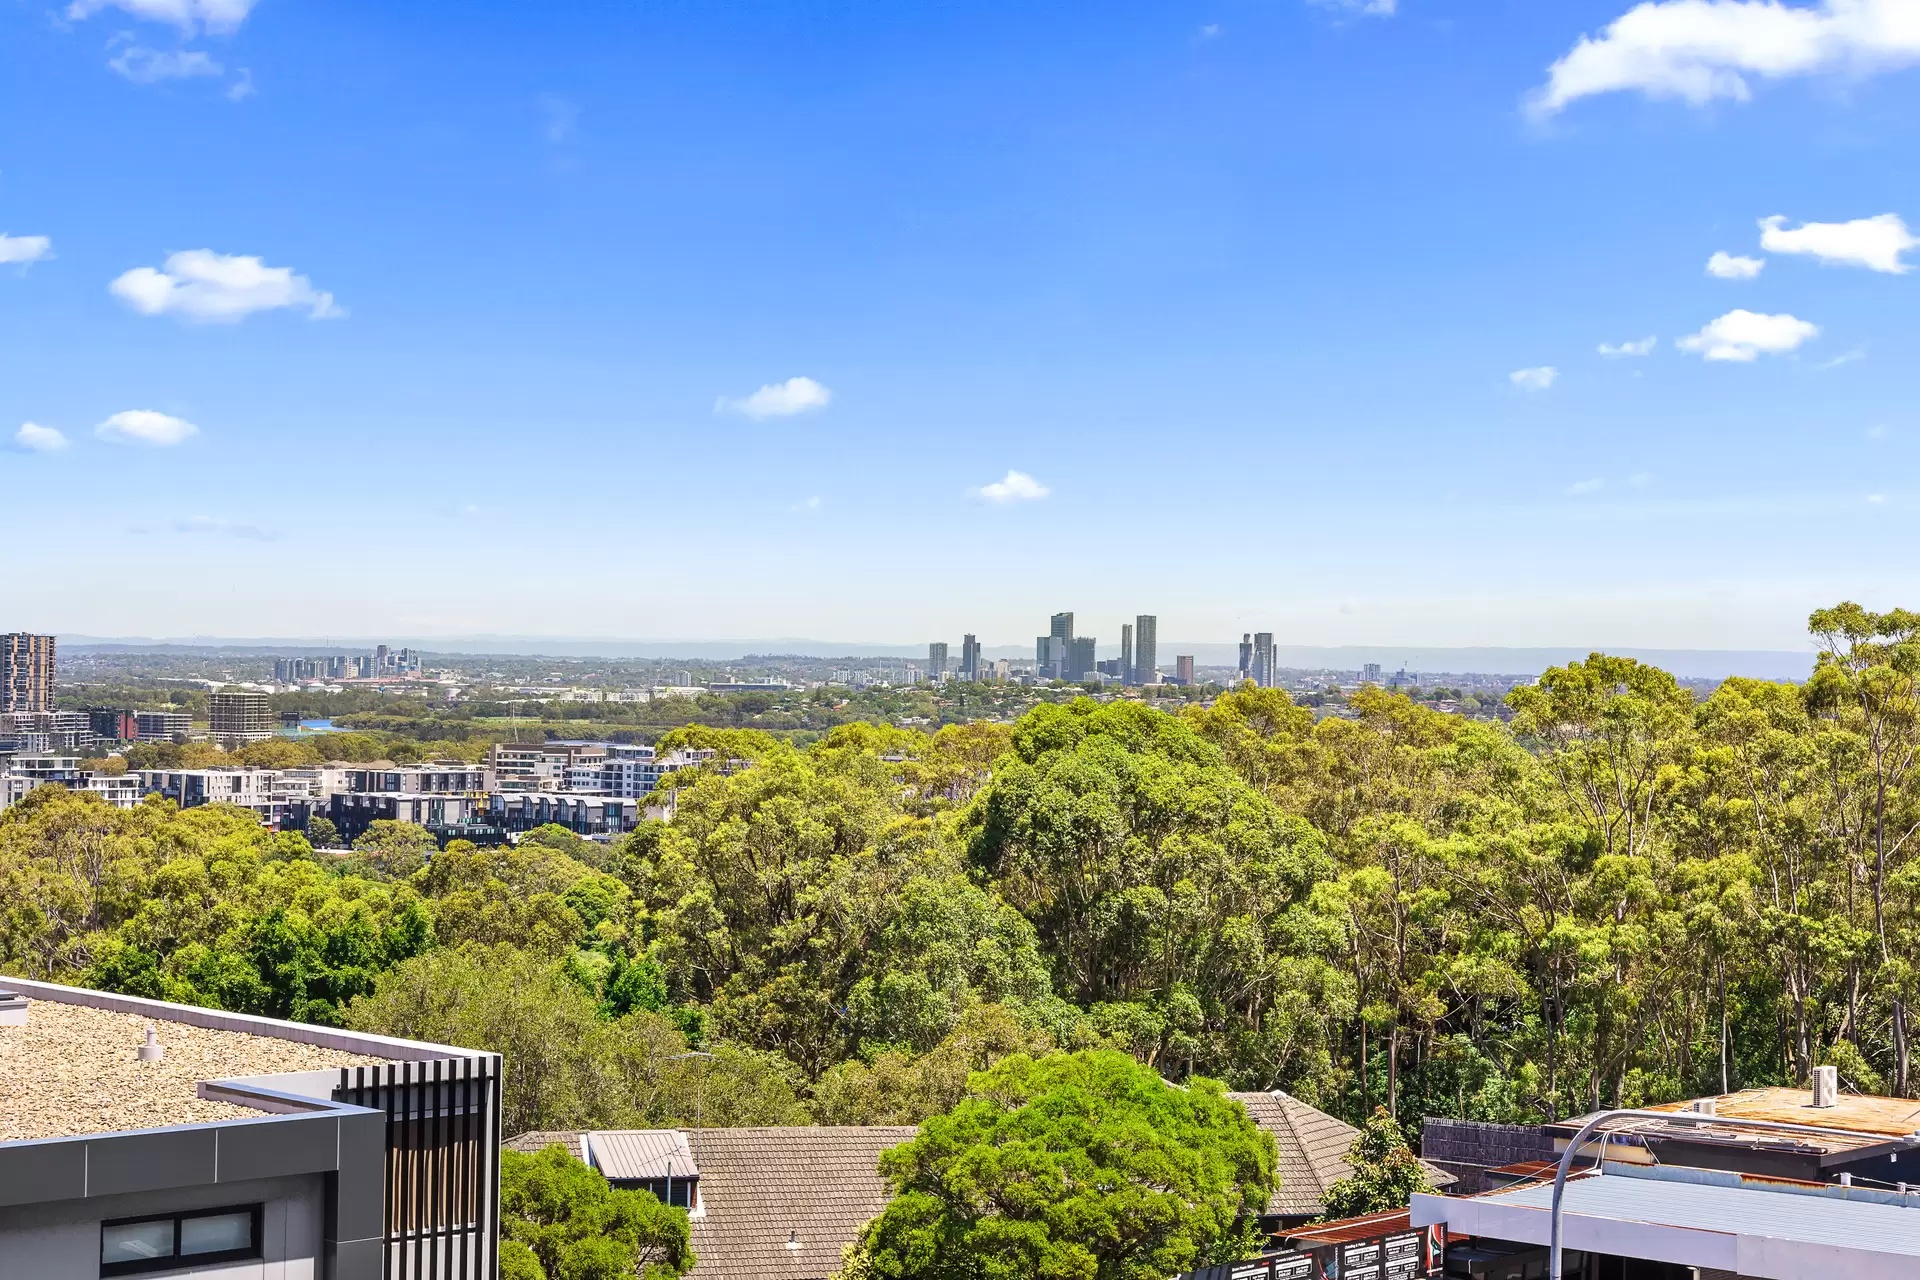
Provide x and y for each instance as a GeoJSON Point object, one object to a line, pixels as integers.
{"type": "Point", "coordinates": [142, 1137]}
{"type": "Point", "coordinates": [162, 726]}
{"type": "Point", "coordinates": [446, 815]}
{"type": "Point", "coordinates": [46, 731]}
{"type": "Point", "coordinates": [437, 777]}
{"type": "Point", "coordinates": [239, 716]}
{"type": "Point", "coordinates": [26, 672]}
{"type": "Point", "coordinates": [587, 815]}
{"type": "Point", "coordinates": [247, 788]}
{"type": "Point", "coordinates": [21, 774]}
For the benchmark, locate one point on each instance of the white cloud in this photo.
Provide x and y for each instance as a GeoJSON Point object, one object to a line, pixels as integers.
{"type": "Point", "coordinates": [1367, 8]}
{"type": "Point", "coordinates": [24, 248]}
{"type": "Point", "coordinates": [1617, 350]}
{"type": "Point", "coordinates": [150, 66]}
{"type": "Point", "coordinates": [1728, 266]}
{"type": "Point", "coordinates": [203, 285]}
{"type": "Point", "coordinates": [779, 400]}
{"type": "Point", "coordinates": [1847, 357]}
{"type": "Point", "coordinates": [144, 426]}
{"type": "Point", "coordinates": [1586, 486]}
{"type": "Point", "coordinates": [1534, 379]}
{"type": "Point", "coordinates": [242, 87]}
{"type": "Point", "coordinates": [214, 15]}
{"type": "Point", "coordinates": [1640, 479]}
{"type": "Point", "coordinates": [808, 506]}
{"type": "Point", "coordinates": [1015, 486]}
{"type": "Point", "coordinates": [1743, 335]}
{"type": "Point", "coordinates": [1875, 243]}
{"type": "Point", "coordinates": [1877, 432]}
{"type": "Point", "coordinates": [1876, 498]}
{"type": "Point", "coordinates": [38, 439]}
{"type": "Point", "coordinates": [1210, 31]}
{"type": "Point", "coordinates": [1700, 50]}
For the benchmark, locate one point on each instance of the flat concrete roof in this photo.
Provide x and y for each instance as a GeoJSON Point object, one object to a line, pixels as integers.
{"type": "Point", "coordinates": [73, 1070]}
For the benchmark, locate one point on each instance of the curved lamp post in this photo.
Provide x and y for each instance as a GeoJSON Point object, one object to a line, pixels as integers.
{"type": "Point", "coordinates": [1603, 1119]}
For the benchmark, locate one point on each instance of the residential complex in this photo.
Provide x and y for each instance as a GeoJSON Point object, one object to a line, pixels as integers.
{"type": "Point", "coordinates": [138, 1136]}
{"type": "Point", "coordinates": [26, 672]}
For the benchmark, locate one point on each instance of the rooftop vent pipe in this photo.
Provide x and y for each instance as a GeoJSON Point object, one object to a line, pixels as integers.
{"type": "Point", "coordinates": [1826, 1086]}
{"type": "Point", "coordinates": [151, 1050]}
{"type": "Point", "coordinates": [1707, 1106]}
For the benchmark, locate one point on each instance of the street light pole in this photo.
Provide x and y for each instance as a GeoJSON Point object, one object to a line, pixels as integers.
{"type": "Point", "coordinates": [700, 1087]}
{"type": "Point", "coordinates": [1603, 1119]}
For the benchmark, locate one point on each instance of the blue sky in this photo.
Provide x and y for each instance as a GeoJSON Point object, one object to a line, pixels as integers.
{"type": "Point", "coordinates": [679, 320]}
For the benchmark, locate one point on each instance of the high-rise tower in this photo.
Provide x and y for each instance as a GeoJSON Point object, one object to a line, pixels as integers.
{"type": "Point", "coordinates": [1146, 648]}
{"type": "Point", "coordinates": [1126, 654]}
{"type": "Point", "coordinates": [26, 672]}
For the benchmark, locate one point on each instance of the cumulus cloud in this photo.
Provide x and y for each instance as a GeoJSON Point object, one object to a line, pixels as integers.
{"type": "Point", "coordinates": [203, 285]}
{"type": "Point", "coordinates": [218, 16]}
{"type": "Point", "coordinates": [1745, 335]}
{"type": "Point", "coordinates": [145, 426]}
{"type": "Point", "coordinates": [1729, 266]}
{"type": "Point", "coordinates": [778, 400]}
{"type": "Point", "coordinates": [1015, 486]}
{"type": "Point", "coordinates": [1534, 379]}
{"type": "Point", "coordinates": [1702, 50]}
{"type": "Point", "coordinates": [1618, 350]}
{"type": "Point", "coordinates": [150, 66]}
{"type": "Point", "coordinates": [35, 438]}
{"type": "Point", "coordinates": [1874, 243]}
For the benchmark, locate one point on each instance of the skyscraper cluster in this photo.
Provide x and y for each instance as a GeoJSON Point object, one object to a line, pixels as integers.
{"type": "Point", "coordinates": [1258, 661]}
{"type": "Point", "coordinates": [1063, 655]}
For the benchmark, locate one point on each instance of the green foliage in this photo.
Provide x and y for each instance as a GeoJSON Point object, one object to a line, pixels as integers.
{"type": "Point", "coordinates": [1073, 1165]}
{"type": "Point", "coordinates": [1385, 1176]}
{"type": "Point", "coordinates": [577, 1227]}
{"type": "Point", "coordinates": [322, 834]}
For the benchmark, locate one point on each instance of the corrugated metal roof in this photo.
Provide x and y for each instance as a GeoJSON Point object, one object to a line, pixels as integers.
{"type": "Point", "coordinates": [1822, 1218]}
{"type": "Point", "coordinates": [641, 1153]}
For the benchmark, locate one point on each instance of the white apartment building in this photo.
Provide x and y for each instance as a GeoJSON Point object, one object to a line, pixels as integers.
{"type": "Point", "coordinates": [23, 773]}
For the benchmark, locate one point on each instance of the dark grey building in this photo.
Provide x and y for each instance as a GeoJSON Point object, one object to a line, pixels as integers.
{"type": "Point", "coordinates": [937, 661]}
{"type": "Point", "coordinates": [141, 1137]}
{"type": "Point", "coordinates": [1125, 671]}
{"type": "Point", "coordinates": [969, 657]}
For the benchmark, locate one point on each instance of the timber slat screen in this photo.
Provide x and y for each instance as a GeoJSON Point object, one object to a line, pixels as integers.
{"type": "Point", "coordinates": [443, 1166]}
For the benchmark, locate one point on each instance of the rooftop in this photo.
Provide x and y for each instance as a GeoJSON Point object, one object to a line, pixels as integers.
{"type": "Point", "coordinates": [1311, 1147]}
{"type": "Point", "coordinates": [75, 1070]}
{"type": "Point", "coordinates": [1706, 1219]}
{"type": "Point", "coordinates": [1877, 1120]}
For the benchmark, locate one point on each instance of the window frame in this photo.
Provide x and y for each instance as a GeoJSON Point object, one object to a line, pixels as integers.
{"type": "Point", "coordinates": [176, 1261]}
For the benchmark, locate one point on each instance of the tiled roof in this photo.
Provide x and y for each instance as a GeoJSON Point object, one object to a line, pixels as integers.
{"type": "Point", "coordinates": [780, 1203]}
{"type": "Point", "coordinates": [539, 1140]}
{"type": "Point", "coordinates": [1311, 1148]}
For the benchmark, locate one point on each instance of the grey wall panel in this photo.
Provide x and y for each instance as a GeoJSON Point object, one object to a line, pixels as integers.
{"type": "Point", "coordinates": [150, 1161]}
{"type": "Point", "coordinates": [360, 1193]}
{"type": "Point", "coordinates": [298, 1144]}
{"type": "Point", "coordinates": [31, 1172]}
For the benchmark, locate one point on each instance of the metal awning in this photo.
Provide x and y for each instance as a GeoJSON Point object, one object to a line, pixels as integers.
{"type": "Point", "coordinates": [640, 1154]}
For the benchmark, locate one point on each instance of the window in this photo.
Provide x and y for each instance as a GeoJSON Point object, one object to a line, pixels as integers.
{"type": "Point", "coordinates": [129, 1246]}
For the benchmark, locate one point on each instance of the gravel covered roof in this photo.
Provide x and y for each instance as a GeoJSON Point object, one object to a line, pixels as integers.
{"type": "Point", "coordinates": [75, 1070]}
